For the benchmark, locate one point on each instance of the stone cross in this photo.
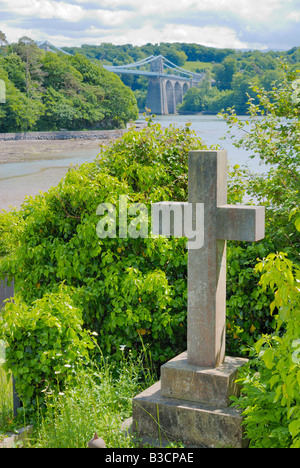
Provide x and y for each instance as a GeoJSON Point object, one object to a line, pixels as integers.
{"type": "Point", "coordinates": [207, 188]}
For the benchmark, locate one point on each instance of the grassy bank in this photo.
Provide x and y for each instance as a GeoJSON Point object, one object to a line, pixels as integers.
{"type": "Point", "coordinates": [100, 401]}
{"type": "Point", "coordinates": [5, 396]}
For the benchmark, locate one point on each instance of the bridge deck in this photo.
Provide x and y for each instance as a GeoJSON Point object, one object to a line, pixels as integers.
{"type": "Point", "coordinates": [127, 71]}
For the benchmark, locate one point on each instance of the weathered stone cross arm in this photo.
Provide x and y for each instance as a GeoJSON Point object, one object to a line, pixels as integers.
{"type": "Point", "coordinates": [240, 223]}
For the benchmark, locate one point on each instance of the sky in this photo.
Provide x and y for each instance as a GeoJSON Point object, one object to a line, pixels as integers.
{"type": "Point", "coordinates": [238, 24]}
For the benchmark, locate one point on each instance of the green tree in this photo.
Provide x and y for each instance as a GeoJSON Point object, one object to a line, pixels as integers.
{"type": "Point", "coordinates": [125, 288]}
{"type": "Point", "coordinates": [18, 112]}
{"type": "Point", "coordinates": [60, 75]}
{"type": "Point", "coordinates": [224, 73]}
{"type": "Point", "coordinates": [59, 111]}
{"type": "Point", "coordinates": [193, 101]}
{"type": "Point", "coordinates": [119, 103]}
{"type": "Point", "coordinates": [16, 70]}
{"type": "Point", "coordinates": [271, 78]}
{"type": "Point", "coordinates": [29, 52]}
{"type": "Point", "coordinates": [48, 91]}
{"type": "Point", "coordinates": [241, 91]}
{"type": "Point", "coordinates": [176, 56]}
{"type": "Point", "coordinates": [272, 135]}
{"type": "Point", "coordinates": [3, 40]}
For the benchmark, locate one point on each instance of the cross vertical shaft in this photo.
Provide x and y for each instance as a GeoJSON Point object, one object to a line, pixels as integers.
{"type": "Point", "coordinates": [207, 266]}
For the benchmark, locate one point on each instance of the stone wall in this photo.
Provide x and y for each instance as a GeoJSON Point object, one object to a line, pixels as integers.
{"type": "Point", "coordinates": [64, 135]}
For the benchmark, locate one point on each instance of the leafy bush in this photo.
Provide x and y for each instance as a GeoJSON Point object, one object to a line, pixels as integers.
{"type": "Point", "coordinates": [248, 302]}
{"type": "Point", "coordinates": [44, 344]}
{"type": "Point", "coordinates": [125, 288]}
{"type": "Point", "coordinates": [271, 387]}
{"type": "Point", "coordinates": [132, 288]}
{"type": "Point", "coordinates": [272, 135]}
{"type": "Point", "coordinates": [128, 288]}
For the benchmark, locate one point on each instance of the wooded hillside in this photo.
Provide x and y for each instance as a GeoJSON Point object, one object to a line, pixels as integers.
{"type": "Point", "coordinates": [47, 91]}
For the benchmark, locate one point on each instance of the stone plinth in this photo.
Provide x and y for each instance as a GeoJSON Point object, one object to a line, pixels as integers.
{"type": "Point", "coordinates": [211, 386]}
{"type": "Point", "coordinates": [158, 419]}
{"type": "Point", "coordinates": [191, 405]}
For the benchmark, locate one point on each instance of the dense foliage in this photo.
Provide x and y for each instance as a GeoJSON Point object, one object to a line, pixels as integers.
{"type": "Point", "coordinates": [127, 290]}
{"type": "Point", "coordinates": [177, 53]}
{"type": "Point", "coordinates": [272, 134]}
{"type": "Point", "coordinates": [99, 400]}
{"type": "Point", "coordinates": [271, 384]}
{"type": "Point", "coordinates": [48, 91]}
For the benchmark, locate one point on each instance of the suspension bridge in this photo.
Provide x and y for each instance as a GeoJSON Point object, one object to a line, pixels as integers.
{"type": "Point", "coordinates": [167, 82]}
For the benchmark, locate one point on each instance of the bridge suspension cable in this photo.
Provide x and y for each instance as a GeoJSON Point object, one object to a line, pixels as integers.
{"type": "Point", "coordinates": [166, 63]}
{"type": "Point", "coordinates": [44, 44]}
{"type": "Point", "coordinates": [175, 67]}
{"type": "Point", "coordinates": [139, 63]}
{"type": "Point", "coordinates": [127, 67]}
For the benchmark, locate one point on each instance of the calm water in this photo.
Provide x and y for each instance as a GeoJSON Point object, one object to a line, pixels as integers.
{"type": "Point", "coordinates": [45, 170]}
{"type": "Point", "coordinates": [212, 130]}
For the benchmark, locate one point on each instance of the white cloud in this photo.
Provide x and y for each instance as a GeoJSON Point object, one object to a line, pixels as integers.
{"type": "Point", "coordinates": [294, 16]}
{"type": "Point", "coordinates": [250, 10]}
{"type": "Point", "coordinates": [13, 34]}
{"type": "Point", "coordinates": [51, 9]}
{"type": "Point", "coordinates": [44, 9]}
{"type": "Point", "coordinates": [219, 23]}
{"type": "Point", "coordinates": [207, 35]}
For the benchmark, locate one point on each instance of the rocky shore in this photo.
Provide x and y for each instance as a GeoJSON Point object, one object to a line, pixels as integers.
{"type": "Point", "coordinates": [64, 135]}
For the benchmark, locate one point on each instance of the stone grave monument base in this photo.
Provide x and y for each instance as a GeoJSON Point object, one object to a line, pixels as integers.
{"type": "Point", "coordinates": [190, 404]}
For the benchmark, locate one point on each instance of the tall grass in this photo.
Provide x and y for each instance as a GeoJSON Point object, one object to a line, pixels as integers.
{"type": "Point", "coordinates": [100, 402]}
{"type": "Point", "coordinates": [6, 399]}
{"type": "Point", "coordinates": [6, 396]}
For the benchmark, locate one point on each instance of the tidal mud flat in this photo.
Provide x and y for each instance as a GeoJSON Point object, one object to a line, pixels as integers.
{"type": "Point", "coordinates": [28, 167]}
{"type": "Point", "coordinates": [33, 162]}
{"type": "Point", "coordinates": [14, 151]}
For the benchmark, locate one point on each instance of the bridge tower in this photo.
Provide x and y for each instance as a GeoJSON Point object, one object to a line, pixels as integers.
{"type": "Point", "coordinates": [165, 92]}
{"type": "Point", "coordinates": [156, 97]}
